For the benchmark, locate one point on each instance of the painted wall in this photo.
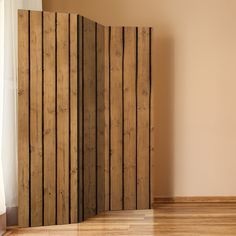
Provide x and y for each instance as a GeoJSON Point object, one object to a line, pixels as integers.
{"type": "Point", "coordinates": [194, 73]}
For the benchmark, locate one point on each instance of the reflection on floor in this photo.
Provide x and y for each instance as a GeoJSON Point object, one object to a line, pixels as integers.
{"type": "Point", "coordinates": [165, 219]}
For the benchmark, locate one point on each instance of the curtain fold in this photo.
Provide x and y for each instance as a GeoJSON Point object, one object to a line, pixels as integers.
{"type": "Point", "coordinates": [8, 98]}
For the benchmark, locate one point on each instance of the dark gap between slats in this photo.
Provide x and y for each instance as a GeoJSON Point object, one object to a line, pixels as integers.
{"type": "Point", "coordinates": [56, 115]}
{"type": "Point", "coordinates": [136, 95]}
{"type": "Point", "coordinates": [150, 113]}
{"type": "Point", "coordinates": [109, 55]}
{"type": "Point", "coordinates": [42, 121]}
{"type": "Point", "coordinates": [69, 97]}
{"type": "Point", "coordinates": [123, 179]}
{"type": "Point", "coordinates": [29, 120]}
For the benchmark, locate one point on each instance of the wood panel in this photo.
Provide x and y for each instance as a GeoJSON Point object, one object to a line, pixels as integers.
{"type": "Point", "coordinates": [100, 107]}
{"type": "Point", "coordinates": [62, 118]}
{"type": "Point", "coordinates": [106, 117]}
{"type": "Point", "coordinates": [49, 117]}
{"type": "Point", "coordinates": [73, 121]}
{"type": "Point", "coordinates": [36, 145]}
{"type": "Point", "coordinates": [130, 118]}
{"type": "Point", "coordinates": [89, 99]}
{"type": "Point", "coordinates": [151, 124]}
{"type": "Point", "coordinates": [23, 117]}
{"type": "Point", "coordinates": [116, 131]}
{"type": "Point", "coordinates": [130, 129]}
{"type": "Point", "coordinates": [80, 110]}
{"type": "Point", "coordinates": [143, 119]}
{"type": "Point", "coordinates": [85, 130]}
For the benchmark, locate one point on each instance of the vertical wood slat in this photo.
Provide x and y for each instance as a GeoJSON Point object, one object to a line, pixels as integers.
{"type": "Point", "coordinates": [36, 152]}
{"type": "Point", "coordinates": [143, 119]}
{"type": "Point", "coordinates": [151, 124]}
{"type": "Point", "coordinates": [80, 110]}
{"type": "Point", "coordinates": [73, 121]}
{"type": "Point", "coordinates": [49, 133]}
{"type": "Point", "coordinates": [100, 136]}
{"type": "Point", "coordinates": [106, 117]}
{"type": "Point", "coordinates": [130, 118]}
{"type": "Point", "coordinates": [116, 48]}
{"type": "Point", "coordinates": [62, 118]}
{"type": "Point", "coordinates": [23, 118]}
{"type": "Point", "coordinates": [89, 74]}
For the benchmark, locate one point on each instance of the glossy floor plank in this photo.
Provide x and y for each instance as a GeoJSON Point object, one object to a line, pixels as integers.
{"type": "Point", "coordinates": [165, 219]}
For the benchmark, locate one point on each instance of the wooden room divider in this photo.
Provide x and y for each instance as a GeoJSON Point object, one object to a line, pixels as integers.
{"type": "Point", "coordinates": [84, 118]}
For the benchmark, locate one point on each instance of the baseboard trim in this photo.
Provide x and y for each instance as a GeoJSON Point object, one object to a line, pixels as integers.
{"type": "Point", "coordinates": [195, 199]}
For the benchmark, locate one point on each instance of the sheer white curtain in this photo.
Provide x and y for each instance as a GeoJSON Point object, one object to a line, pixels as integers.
{"type": "Point", "coordinates": [2, 196]}
{"type": "Point", "coordinates": [8, 98]}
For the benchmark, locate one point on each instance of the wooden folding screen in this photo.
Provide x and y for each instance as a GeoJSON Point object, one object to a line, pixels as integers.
{"type": "Point", "coordinates": [84, 118]}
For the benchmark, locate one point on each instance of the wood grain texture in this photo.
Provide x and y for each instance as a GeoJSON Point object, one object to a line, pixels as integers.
{"type": "Point", "coordinates": [143, 119]}
{"type": "Point", "coordinates": [49, 133]}
{"type": "Point", "coordinates": [89, 73]}
{"type": "Point", "coordinates": [80, 110]}
{"type": "Point", "coordinates": [100, 136]}
{"type": "Point", "coordinates": [130, 118]}
{"type": "Point", "coordinates": [36, 151]}
{"type": "Point", "coordinates": [73, 121]}
{"type": "Point", "coordinates": [23, 118]}
{"type": "Point", "coordinates": [106, 116]}
{"type": "Point", "coordinates": [212, 219]}
{"type": "Point", "coordinates": [116, 135]}
{"type": "Point", "coordinates": [62, 118]}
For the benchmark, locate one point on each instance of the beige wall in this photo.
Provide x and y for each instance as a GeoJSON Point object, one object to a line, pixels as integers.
{"type": "Point", "coordinates": [194, 73]}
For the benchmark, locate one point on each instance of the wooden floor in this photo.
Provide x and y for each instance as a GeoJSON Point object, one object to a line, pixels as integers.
{"type": "Point", "coordinates": [166, 219]}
